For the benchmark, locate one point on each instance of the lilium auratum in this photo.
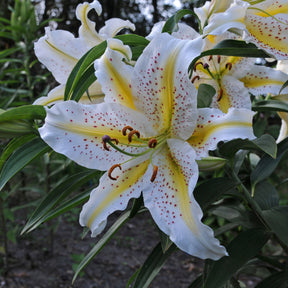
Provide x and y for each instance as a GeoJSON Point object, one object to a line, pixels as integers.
{"type": "Point", "coordinates": [264, 23]}
{"type": "Point", "coordinates": [234, 78]}
{"type": "Point", "coordinates": [147, 135]}
{"type": "Point", "coordinates": [60, 50]}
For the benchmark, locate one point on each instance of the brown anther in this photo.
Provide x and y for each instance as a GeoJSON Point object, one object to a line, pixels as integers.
{"type": "Point", "coordinates": [195, 78]}
{"type": "Point", "coordinates": [155, 170]}
{"type": "Point", "coordinates": [152, 143]}
{"type": "Point", "coordinates": [228, 65]}
{"type": "Point", "coordinates": [106, 139]}
{"type": "Point", "coordinates": [124, 130]}
{"type": "Point", "coordinates": [220, 94]}
{"type": "Point", "coordinates": [112, 169]}
{"type": "Point", "coordinates": [132, 133]}
{"type": "Point", "coordinates": [198, 63]}
{"type": "Point", "coordinates": [218, 59]}
{"type": "Point", "coordinates": [210, 58]}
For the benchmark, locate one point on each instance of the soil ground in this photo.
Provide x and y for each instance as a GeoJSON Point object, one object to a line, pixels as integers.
{"type": "Point", "coordinates": [33, 264]}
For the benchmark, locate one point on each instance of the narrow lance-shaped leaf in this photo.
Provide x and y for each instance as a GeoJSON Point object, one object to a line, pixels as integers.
{"type": "Point", "coordinates": [270, 105]}
{"type": "Point", "coordinates": [22, 157]}
{"type": "Point", "coordinates": [153, 265]}
{"type": "Point", "coordinates": [102, 242]}
{"type": "Point", "coordinates": [29, 112]}
{"type": "Point", "coordinates": [56, 195]}
{"type": "Point", "coordinates": [82, 65]}
{"type": "Point", "coordinates": [232, 48]}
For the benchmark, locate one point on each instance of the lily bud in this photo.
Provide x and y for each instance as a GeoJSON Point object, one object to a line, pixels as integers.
{"type": "Point", "coordinates": [210, 163]}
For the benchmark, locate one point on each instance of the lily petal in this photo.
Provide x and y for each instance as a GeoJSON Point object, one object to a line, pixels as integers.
{"type": "Point", "coordinates": [172, 205]}
{"type": "Point", "coordinates": [113, 195]}
{"type": "Point", "coordinates": [268, 33]}
{"type": "Point", "coordinates": [76, 130]}
{"type": "Point", "coordinates": [214, 126]}
{"type": "Point", "coordinates": [87, 30]}
{"type": "Point", "coordinates": [284, 127]}
{"type": "Point", "coordinates": [184, 31]}
{"type": "Point", "coordinates": [163, 88]}
{"type": "Point", "coordinates": [114, 75]}
{"type": "Point", "coordinates": [113, 26]}
{"type": "Point", "coordinates": [57, 95]}
{"type": "Point", "coordinates": [234, 95]}
{"type": "Point", "coordinates": [262, 80]}
{"type": "Point", "coordinates": [231, 18]}
{"type": "Point", "coordinates": [59, 51]}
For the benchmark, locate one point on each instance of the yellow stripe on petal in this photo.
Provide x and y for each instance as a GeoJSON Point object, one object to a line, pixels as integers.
{"type": "Point", "coordinates": [203, 133]}
{"type": "Point", "coordinates": [214, 126]}
{"type": "Point", "coordinates": [116, 189]}
{"type": "Point", "coordinates": [121, 85]}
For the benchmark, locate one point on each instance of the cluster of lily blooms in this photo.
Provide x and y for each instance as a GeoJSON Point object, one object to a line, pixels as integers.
{"type": "Point", "coordinates": [140, 122]}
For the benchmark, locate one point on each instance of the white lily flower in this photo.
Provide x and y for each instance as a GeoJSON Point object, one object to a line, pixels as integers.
{"type": "Point", "coordinates": [264, 23]}
{"type": "Point", "coordinates": [148, 134]}
{"type": "Point", "coordinates": [234, 78]}
{"type": "Point", "coordinates": [60, 50]}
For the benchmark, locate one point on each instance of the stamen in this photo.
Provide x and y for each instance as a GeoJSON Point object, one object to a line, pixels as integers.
{"type": "Point", "coordinates": [218, 59]}
{"type": "Point", "coordinates": [124, 130]}
{"type": "Point", "coordinates": [132, 133]}
{"type": "Point", "coordinates": [112, 169]}
{"type": "Point", "coordinates": [195, 78]}
{"type": "Point", "coordinates": [210, 57]}
{"type": "Point", "coordinates": [152, 143]}
{"type": "Point", "coordinates": [206, 66]}
{"type": "Point", "coordinates": [155, 170]}
{"type": "Point", "coordinates": [228, 65]}
{"type": "Point", "coordinates": [106, 139]}
{"type": "Point", "coordinates": [219, 97]}
{"type": "Point", "coordinates": [198, 63]}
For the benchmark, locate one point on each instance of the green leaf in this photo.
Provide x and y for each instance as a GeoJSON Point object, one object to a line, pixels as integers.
{"type": "Point", "coordinates": [210, 191]}
{"type": "Point", "coordinates": [276, 280]}
{"type": "Point", "coordinates": [232, 48]}
{"type": "Point", "coordinates": [277, 220]}
{"type": "Point", "coordinates": [55, 196]}
{"type": "Point", "coordinates": [266, 143]}
{"type": "Point", "coordinates": [29, 112]}
{"type": "Point", "coordinates": [82, 65]}
{"type": "Point", "coordinates": [64, 207]}
{"type": "Point", "coordinates": [205, 95]}
{"type": "Point", "coordinates": [270, 105]}
{"type": "Point", "coordinates": [266, 195]}
{"type": "Point", "coordinates": [171, 24]}
{"type": "Point", "coordinates": [283, 86]}
{"type": "Point", "coordinates": [22, 157]}
{"type": "Point", "coordinates": [267, 164]}
{"type": "Point", "coordinates": [153, 265]}
{"type": "Point", "coordinates": [87, 78]}
{"type": "Point", "coordinates": [244, 247]}
{"type": "Point", "coordinates": [12, 146]}
{"type": "Point", "coordinates": [137, 43]}
{"type": "Point", "coordinates": [102, 242]}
